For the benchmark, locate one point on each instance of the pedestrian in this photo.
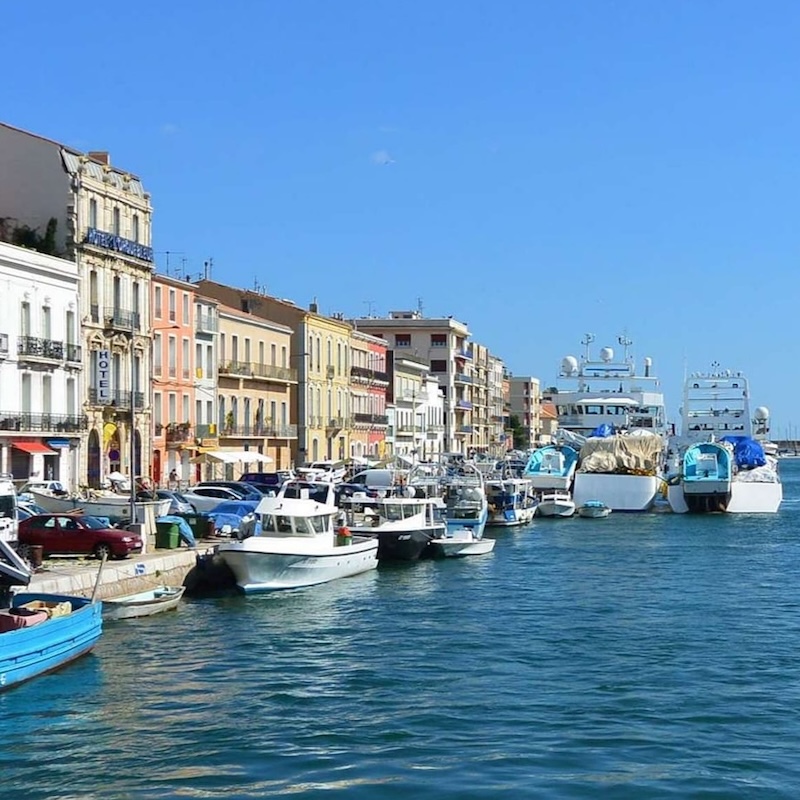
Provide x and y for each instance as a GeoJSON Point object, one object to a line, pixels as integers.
{"type": "Point", "coordinates": [173, 479]}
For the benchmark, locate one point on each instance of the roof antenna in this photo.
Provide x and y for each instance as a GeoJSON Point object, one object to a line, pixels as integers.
{"type": "Point", "coordinates": [588, 338]}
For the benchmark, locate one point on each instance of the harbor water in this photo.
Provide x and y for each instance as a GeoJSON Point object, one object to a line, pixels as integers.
{"type": "Point", "coordinates": [641, 656]}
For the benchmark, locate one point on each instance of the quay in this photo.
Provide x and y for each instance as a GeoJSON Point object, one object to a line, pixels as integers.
{"type": "Point", "coordinates": [177, 567]}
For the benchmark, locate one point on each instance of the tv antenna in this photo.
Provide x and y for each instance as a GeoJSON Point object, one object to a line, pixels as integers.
{"type": "Point", "coordinates": [370, 304]}
{"type": "Point", "coordinates": [169, 253]}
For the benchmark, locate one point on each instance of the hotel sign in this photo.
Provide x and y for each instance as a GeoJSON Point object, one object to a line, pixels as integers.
{"type": "Point", "coordinates": [110, 241]}
{"type": "Point", "coordinates": [103, 379]}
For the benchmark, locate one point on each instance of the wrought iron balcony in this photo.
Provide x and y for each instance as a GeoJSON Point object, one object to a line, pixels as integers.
{"type": "Point", "coordinates": [119, 398]}
{"type": "Point", "coordinates": [367, 374]}
{"type": "Point", "coordinates": [177, 432]}
{"type": "Point", "coordinates": [207, 431]}
{"type": "Point", "coordinates": [205, 323]}
{"type": "Point", "coordinates": [266, 429]}
{"type": "Point", "coordinates": [122, 319]}
{"type": "Point", "coordinates": [371, 419]}
{"type": "Point", "coordinates": [34, 347]}
{"type": "Point", "coordinates": [55, 423]}
{"type": "Point", "coordinates": [249, 369]}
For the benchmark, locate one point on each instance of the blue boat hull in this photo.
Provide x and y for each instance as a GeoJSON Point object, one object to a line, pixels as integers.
{"type": "Point", "coordinates": [47, 646]}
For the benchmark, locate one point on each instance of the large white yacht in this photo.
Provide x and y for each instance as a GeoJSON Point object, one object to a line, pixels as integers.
{"type": "Point", "coordinates": [618, 418]}
{"type": "Point", "coordinates": [723, 459]}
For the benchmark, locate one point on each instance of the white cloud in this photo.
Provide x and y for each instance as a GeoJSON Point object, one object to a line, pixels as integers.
{"type": "Point", "coordinates": [381, 158]}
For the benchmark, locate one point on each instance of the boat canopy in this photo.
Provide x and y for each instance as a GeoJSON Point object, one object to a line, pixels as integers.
{"type": "Point", "coordinates": [707, 461]}
{"type": "Point", "coordinates": [747, 452]}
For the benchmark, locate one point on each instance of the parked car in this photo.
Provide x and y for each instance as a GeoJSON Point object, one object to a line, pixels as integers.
{"type": "Point", "coordinates": [207, 498]}
{"type": "Point", "coordinates": [178, 503]}
{"type": "Point", "coordinates": [76, 534]}
{"type": "Point", "coordinates": [332, 471]}
{"type": "Point", "coordinates": [245, 490]}
{"type": "Point", "coordinates": [273, 480]}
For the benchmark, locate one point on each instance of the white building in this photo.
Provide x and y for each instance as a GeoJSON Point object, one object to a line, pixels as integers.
{"type": "Point", "coordinates": [79, 206]}
{"type": "Point", "coordinates": [41, 419]}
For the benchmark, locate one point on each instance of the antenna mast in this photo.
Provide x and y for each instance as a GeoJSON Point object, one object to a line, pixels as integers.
{"type": "Point", "coordinates": [588, 338]}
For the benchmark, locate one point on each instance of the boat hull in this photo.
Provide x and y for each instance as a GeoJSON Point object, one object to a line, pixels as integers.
{"type": "Point", "coordinates": [556, 508]}
{"type": "Point", "coordinates": [618, 492]}
{"type": "Point", "coordinates": [511, 517]}
{"type": "Point", "coordinates": [29, 652]}
{"type": "Point", "coordinates": [405, 545]}
{"type": "Point", "coordinates": [745, 497]}
{"type": "Point", "coordinates": [458, 547]}
{"type": "Point", "coordinates": [117, 510]}
{"type": "Point", "coordinates": [143, 604]}
{"type": "Point", "coordinates": [593, 513]}
{"type": "Point", "coordinates": [259, 566]}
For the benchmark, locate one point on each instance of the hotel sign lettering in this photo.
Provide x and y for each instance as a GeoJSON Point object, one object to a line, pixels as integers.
{"type": "Point", "coordinates": [111, 241]}
{"type": "Point", "coordinates": [103, 379]}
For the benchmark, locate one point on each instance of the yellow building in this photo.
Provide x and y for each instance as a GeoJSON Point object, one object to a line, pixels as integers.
{"type": "Point", "coordinates": [321, 406]}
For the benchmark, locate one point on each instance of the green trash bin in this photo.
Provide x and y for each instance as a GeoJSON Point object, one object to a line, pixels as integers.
{"type": "Point", "coordinates": [199, 523]}
{"type": "Point", "coordinates": [167, 536]}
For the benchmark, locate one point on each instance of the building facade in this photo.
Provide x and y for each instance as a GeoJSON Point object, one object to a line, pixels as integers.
{"type": "Point", "coordinates": [206, 362]}
{"type": "Point", "coordinates": [42, 424]}
{"type": "Point", "coordinates": [369, 383]}
{"type": "Point", "coordinates": [526, 403]}
{"type": "Point", "coordinates": [78, 205]}
{"type": "Point", "coordinates": [443, 345]}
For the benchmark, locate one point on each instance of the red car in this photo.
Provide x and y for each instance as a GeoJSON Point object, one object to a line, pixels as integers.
{"type": "Point", "coordinates": [73, 534]}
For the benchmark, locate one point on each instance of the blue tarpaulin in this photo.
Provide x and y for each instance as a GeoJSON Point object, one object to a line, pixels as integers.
{"type": "Point", "coordinates": [747, 452]}
{"type": "Point", "coordinates": [183, 528]}
{"type": "Point", "coordinates": [603, 430]}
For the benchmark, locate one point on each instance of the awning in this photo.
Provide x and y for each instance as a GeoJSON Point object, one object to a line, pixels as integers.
{"type": "Point", "coordinates": [34, 448]}
{"type": "Point", "coordinates": [231, 457]}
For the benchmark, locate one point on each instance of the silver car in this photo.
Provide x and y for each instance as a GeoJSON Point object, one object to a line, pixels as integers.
{"type": "Point", "coordinates": [178, 503]}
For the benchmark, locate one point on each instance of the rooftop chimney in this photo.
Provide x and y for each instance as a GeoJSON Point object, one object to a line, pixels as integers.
{"type": "Point", "coordinates": [100, 156]}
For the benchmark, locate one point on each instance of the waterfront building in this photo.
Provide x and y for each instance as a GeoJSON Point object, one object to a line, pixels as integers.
{"type": "Point", "coordinates": [173, 378]}
{"type": "Point", "coordinates": [42, 424]}
{"type": "Point", "coordinates": [77, 205]}
{"type": "Point", "coordinates": [498, 440]}
{"type": "Point", "coordinates": [255, 385]}
{"type": "Point", "coordinates": [369, 382]}
{"type": "Point", "coordinates": [206, 344]}
{"type": "Point", "coordinates": [526, 402]}
{"type": "Point", "coordinates": [548, 420]}
{"type": "Point", "coordinates": [444, 347]}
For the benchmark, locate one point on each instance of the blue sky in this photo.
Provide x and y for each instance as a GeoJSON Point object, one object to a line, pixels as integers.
{"type": "Point", "coordinates": [537, 169]}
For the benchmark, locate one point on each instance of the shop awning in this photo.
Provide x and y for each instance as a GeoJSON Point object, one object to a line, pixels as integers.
{"type": "Point", "coordinates": [34, 448]}
{"type": "Point", "coordinates": [231, 457]}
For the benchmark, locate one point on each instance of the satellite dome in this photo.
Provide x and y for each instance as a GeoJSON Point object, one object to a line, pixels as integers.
{"type": "Point", "coordinates": [607, 354]}
{"type": "Point", "coordinates": [761, 413]}
{"type": "Point", "coordinates": [569, 365]}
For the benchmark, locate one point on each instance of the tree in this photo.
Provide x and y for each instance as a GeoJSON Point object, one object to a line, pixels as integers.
{"type": "Point", "coordinates": [519, 434]}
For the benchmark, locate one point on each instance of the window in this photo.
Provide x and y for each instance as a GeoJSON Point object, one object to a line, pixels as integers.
{"type": "Point", "coordinates": [47, 394]}
{"type": "Point", "coordinates": [261, 353]}
{"type": "Point", "coordinates": [187, 364]}
{"type": "Point", "coordinates": [136, 304]}
{"type": "Point", "coordinates": [157, 410]}
{"type": "Point", "coordinates": [116, 227]}
{"type": "Point", "coordinates": [438, 365]}
{"type": "Point", "coordinates": [209, 361]}
{"type": "Point", "coordinates": [234, 348]}
{"type": "Point", "coordinates": [157, 354]}
{"type": "Point", "coordinates": [311, 354]}
{"type": "Point", "coordinates": [46, 325]}
{"type": "Point", "coordinates": [186, 417]}
{"type": "Point", "coordinates": [198, 412]}
{"type": "Point", "coordinates": [92, 213]}
{"type": "Point", "coordinates": [402, 340]}
{"type": "Point", "coordinates": [135, 228]}
{"type": "Point", "coordinates": [71, 398]}
{"type": "Point", "coordinates": [273, 354]}
{"type": "Point", "coordinates": [283, 356]}
{"type": "Point", "coordinates": [172, 315]}
{"type": "Point", "coordinates": [156, 302]}
{"type": "Point", "coordinates": [438, 340]}
{"type": "Point", "coordinates": [319, 359]}
{"type": "Point", "coordinates": [25, 387]}
{"type": "Point", "coordinates": [25, 319]}
{"type": "Point", "coordinates": [185, 308]}
{"type": "Point", "coordinates": [247, 350]}
{"type": "Point", "coordinates": [173, 357]}
{"type": "Point", "coordinates": [172, 410]}
{"type": "Point", "coordinates": [198, 359]}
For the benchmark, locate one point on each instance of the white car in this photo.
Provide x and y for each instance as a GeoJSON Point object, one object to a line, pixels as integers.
{"type": "Point", "coordinates": [207, 498]}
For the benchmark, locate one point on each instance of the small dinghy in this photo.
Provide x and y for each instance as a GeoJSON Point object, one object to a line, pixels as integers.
{"type": "Point", "coordinates": [143, 604]}
{"type": "Point", "coordinates": [594, 509]}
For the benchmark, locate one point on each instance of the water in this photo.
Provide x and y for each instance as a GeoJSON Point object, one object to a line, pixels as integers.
{"type": "Point", "coordinates": [634, 657]}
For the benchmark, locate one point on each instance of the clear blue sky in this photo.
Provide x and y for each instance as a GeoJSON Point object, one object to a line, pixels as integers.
{"type": "Point", "coordinates": [537, 169]}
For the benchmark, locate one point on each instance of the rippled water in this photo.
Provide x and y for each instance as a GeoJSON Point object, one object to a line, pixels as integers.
{"type": "Point", "coordinates": [638, 657]}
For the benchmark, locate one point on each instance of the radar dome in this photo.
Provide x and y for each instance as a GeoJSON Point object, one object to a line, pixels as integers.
{"type": "Point", "coordinates": [761, 413]}
{"type": "Point", "coordinates": [607, 354]}
{"type": "Point", "coordinates": [569, 365]}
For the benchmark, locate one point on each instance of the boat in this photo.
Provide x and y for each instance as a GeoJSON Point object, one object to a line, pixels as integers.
{"type": "Point", "coordinates": [723, 460]}
{"type": "Point", "coordinates": [143, 604]}
{"type": "Point", "coordinates": [555, 503]}
{"type": "Point", "coordinates": [599, 398]}
{"type": "Point", "coordinates": [460, 543]}
{"type": "Point", "coordinates": [551, 467]}
{"type": "Point", "coordinates": [594, 509]}
{"type": "Point", "coordinates": [116, 507]}
{"type": "Point", "coordinates": [464, 496]}
{"type": "Point", "coordinates": [510, 502]}
{"type": "Point", "coordinates": [403, 526]}
{"type": "Point", "coordinates": [292, 542]}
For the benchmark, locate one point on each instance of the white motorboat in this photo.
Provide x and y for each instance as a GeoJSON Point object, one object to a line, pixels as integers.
{"type": "Point", "coordinates": [116, 507]}
{"type": "Point", "coordinates": [459, 543]}
{"type": "Point", "coordinates": [293, 542]}
{"type": "Point", "coordinates": [555, 503]}
{"type": "Point", "coordinates": [510, 502]}
{"type": "Point", "coordinates": [594, 509]}
{"type": "Point", "coordinates": [725, 461]}
{"type": "Point", "coordinates": [142, 604]}
{"type": "Point", "coordinates": [551, 467]}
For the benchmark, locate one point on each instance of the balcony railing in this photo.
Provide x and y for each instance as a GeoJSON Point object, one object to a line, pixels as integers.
{"type": "Point", "coordinates": [29, 421]}
{"type": "Point", "coordinates": [463, 352]}
{"type": "Point", "coordinates": [74, 353]}
{"type": "Point", "coordinates": [371, 419]}
{"type": "Point", "coordinates": [206, 323]}
{"type": "Point", "coordinates": [119, 398]}
{"type": "Point", "coordinates": [462, 430]}
{"type": "Point", "coordinates": [460, 377]}
{"type": "Point", "coordinates": [464, 405]}
{"type": "Point", "coordinates": [94, 310]}
{"type": "Point", "coordinates": [206, 431]}
{"type": "Point", "coordinates": [368, 374]}
{"type": "Point", "coordinates": [34, 347]}
{"type": "Point", "coordinates": [177, 433]}
{"type": "Point", "coordinates": [122, 319]}
{"type": "Point", "coordinates": [263, 429]}
{"type": "Point", "coordinates": [249, 369]}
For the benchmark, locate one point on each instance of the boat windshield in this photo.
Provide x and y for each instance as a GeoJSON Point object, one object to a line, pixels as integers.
{"type": "Point", "coordinates": [295, 526]}
{"type": "Point", "coordinates": [8, 506]}
{"type": "Point", "coordinates": [394, 512]}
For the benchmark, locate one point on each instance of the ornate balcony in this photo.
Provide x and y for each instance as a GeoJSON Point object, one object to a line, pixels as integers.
{"type": "Point", "coordinates": [51, 423]}
{"type": "Point", "coordinates": [266, 372]}
{"type": "Point", "coordinates": [178, 433]}
{"type": "Point", "coordinates": [74, 353]}
{"type": "Point", "coordinates": [121, 319]}
{"type": "Point", "coordinates": [369, 375]}
{"type": "Point", "coordinates": [460, 377]}
{"type": "Point", "coordinates": [120, 399]}
{"type": "Point", "coordinates": [370, 419]}
{"type": "Point", "coordinates": [205, 323]}
{"type": "Point", "coordinates": [32, 347]}
{"type": "Point", "coordinates": [463, 405]}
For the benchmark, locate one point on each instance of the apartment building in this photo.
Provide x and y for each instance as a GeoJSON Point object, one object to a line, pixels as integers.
{"type": "Point", "coordinates": [77, 205]}
{"type": "Point", "coordinates": [42, 424]}
{"type": "Point", "coordinates": [526, 403]}
{"type": "Point", "coordinates": [442, 344]}
{"type": "Point", "coordinates": [369, 382]}
{"type": "Point", "coordinates": [320, 352]}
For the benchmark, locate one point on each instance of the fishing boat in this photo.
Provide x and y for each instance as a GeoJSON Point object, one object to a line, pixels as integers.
{"type": "Point", "coordinates": [464, 496]}
{"type": "Point", "coordinates": [594, 509]}
{"type": "Point", "coordinates": [117, 507]}
{"type": "Point", "coordinates": [459, 543]}
{"type": "Point", "coordinates": [510, 502]}
{"type": "Point", "coordinates": [555, 503]}
{"type": "Point", "coordinates": [143, 604]}
{"type": "Point", "coordinates": [551, 467]}
{"type": "Point", "coordinates": [293, 542]}
{"type": "Point", "coordinates": [723, 459]}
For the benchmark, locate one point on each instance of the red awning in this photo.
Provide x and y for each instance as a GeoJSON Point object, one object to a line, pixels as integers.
{"type": "Point", "coordinates": [34, 447]}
